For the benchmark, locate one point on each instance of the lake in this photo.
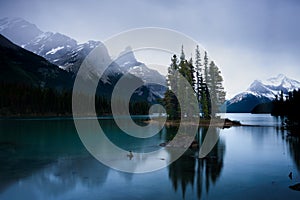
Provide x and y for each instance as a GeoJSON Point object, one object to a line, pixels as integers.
{"type": "Point", "coordinates": [45, 159]}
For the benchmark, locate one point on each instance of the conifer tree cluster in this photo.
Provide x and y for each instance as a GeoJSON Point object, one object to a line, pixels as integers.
{"type": "Point", "coordinates": [206, 80]}
{"type": "Point", "coordinates": [287, 105]}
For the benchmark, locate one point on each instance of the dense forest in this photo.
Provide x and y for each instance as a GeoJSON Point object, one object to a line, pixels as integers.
{"type": "Point", "coordinates": [288, 106]}
{"type": "Point", "coordinates": [22, 99]}
{"type": "Point", "coordinates": [26, 100]}
{"type": "Point", "coordinates": [205, 79]}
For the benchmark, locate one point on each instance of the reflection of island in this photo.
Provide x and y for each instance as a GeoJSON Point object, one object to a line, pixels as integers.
{"type": "Point", "coordinates": [198, 173]}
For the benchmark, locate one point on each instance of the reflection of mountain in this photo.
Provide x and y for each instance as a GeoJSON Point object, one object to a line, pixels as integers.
{"type": "Point", "coordinates": [199, 174]}
{"type": "Point", "coordinates": [66, 174]}
{"type": "Point", "coordinates": [13, 168]}
{"type": "Point", "coordinates": [47, 153]}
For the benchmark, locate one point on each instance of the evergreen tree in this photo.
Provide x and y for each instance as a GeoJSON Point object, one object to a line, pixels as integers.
{"type": "Point", "coordinates": [199, 78]}
{"type": "Point", "coordinates": [201, 87]}
{"type": "Point", "coordinates": [170, 100]}
{"type": "Point", "coordinates": [183, 66]}
{"type": "Point", "coordinates": [172, 82]}
{"type": "Point", "coordinates": [171, 105]}
{"type": "Point", "coordinates": [205, 104]}
{"type": "Point", "coordinates": [205, 67]}
{"type": "Point", "coordinates": [216, 89]}
{"type": "Point", "coordinates": [182, 55]}
{"type": "Point", "coordinates": [184, 71]}
{"type": "Point", "coordinates": [191, 77]}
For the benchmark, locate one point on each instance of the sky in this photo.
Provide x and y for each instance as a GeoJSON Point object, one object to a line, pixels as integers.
{"type": "Point", "coordinates": [248, 39]}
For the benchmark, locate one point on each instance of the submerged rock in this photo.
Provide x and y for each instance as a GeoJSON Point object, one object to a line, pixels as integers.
{"type": "Point", "coordinates": [295, 187]}
{"type": "Point", "coordinates": [163, 144]}
{"type": "Point", "coordinates": [291, 175]}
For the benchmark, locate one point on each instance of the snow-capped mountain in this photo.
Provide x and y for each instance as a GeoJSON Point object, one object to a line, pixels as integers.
{"type": "Point", "coordinates": [18, 30]}
{"type": "Point", "coordinates": [50, 45]}
{"type": "Point", "coordinates": [152, 78]}
{"type": "Point", "coordinates": [68, 54]}
{"type": "Point", "coordinates": [21, 66]}
{"type": "Point", "coordinates": [72, 59]}
{"type": "Point", "coordinates": [128, 64]}
{"type": "Point", "coordinates": [57, 48]}
{"type": "Point", "coordinates": [261, 92]}
{"type": "Point", "coordinates": [60, 49]}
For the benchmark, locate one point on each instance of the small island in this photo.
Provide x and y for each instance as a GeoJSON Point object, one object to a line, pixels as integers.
{"type": "Point", "coordinates": [217, 122]}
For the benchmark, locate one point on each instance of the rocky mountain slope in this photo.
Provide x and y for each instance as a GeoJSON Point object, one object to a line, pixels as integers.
{"type": "Point", "coordinates": [261, 92]}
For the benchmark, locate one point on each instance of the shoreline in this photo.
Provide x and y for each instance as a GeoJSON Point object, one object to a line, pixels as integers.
{"type": "Point", "coordinates": [216, 122]}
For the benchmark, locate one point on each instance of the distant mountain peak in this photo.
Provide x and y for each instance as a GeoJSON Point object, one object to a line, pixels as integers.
{"type": "Point", "coordinates": [261, 92]}
{"type": "Point", "coordinates": [282, 81]}
{"type": "Point", "coordinates": [126, 59]}
{"type": "Point", "coordinates": [8, 22]}
{"type": "Point", "coordinates": [67, 54]}
{"type": "Point", "coordinates": [128, 63]}
{"type": "Point", "coordinates": [271, 86]}
{"type": "Point", "coordinates": [127, 50]}
{"type": "Point", "coordinates": [277, 80]}
{"type": "Point", "coordinates": [18, 30]}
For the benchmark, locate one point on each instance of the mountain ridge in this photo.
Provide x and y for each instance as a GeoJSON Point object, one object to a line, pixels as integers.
{"type": "Point", "coordinates": [261, 92]}
{"type": "Point", "coordinates": [68, 54]}
{"type": "Point", "coordinates": [18, 65]}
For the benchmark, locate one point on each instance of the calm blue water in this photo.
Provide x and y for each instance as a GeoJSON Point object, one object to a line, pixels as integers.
{"type": "Point", "coordinates": [45, 159]}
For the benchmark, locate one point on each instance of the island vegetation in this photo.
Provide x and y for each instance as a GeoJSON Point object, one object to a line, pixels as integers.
{"type": "Point", "coordinates": [206, 81]}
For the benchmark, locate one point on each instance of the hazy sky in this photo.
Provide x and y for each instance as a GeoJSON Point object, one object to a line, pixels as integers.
{"type": "Point", "coordinates": [248, 39]}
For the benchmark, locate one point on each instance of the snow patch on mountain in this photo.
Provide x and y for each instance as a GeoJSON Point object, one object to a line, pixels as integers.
{"type": "Point", "coordinates": [272, 86]}
{"type": "Point", "coordinates": [263, 91]}
{"type": "Point", "coordinates": [68, 54]}
{"type": "Point", "coordinates": [53, 51]}
{"type": "Point", "coordinates": [128, 64]}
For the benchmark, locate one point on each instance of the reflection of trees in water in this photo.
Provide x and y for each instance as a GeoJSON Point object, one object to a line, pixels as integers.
{"type": "Point", "coordinates": [293, 143]}
{"type": "Point", "coordinates": [294, 149]}
{"type": "Point", "coordinates": [182, 173]}
{"type": "Point", "coordinates": [198, 173]}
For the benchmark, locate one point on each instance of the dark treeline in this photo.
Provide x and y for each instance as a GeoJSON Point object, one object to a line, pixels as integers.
{"type": "Point", "coordinates": [25, 100]}
{"type": "Point", "coordinates": [205, 79]}
{"type": "Point", "coordinates": [288, 106]}
{"type": "Point", "coordinates": [22, 99]}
